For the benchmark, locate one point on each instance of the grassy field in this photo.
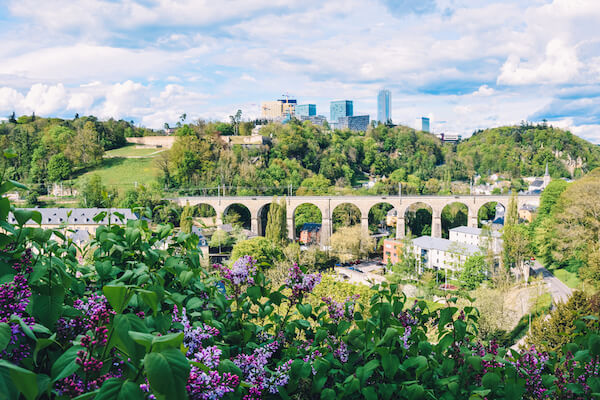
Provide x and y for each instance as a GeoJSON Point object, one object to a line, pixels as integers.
{"type": "Point", "coordinates": [122, 173]}
{"type": "Point", "coordinates": [568, 278]}
{"type": "Point", "coordinates": [132, 151]}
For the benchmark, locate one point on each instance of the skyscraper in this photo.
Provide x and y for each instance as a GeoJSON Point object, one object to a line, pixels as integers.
{"type": "Point", "coordinates": [425, 124]}
{"type": "Point", "coordinates": [306, 110]}
{"type": "Point", "coordinates": [340, 108]}
{"type": "Point", "coordinates": [384, 106]}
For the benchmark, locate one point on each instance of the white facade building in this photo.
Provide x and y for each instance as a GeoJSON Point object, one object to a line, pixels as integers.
{"type": "Point", "coordinates": [475, 237]}
{"type": "Point", "coordinates": [441, 254]}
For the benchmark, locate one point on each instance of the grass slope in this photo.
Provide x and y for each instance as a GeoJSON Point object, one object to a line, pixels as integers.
{"type": "Point", "coordinates": [132, 151]}
{"type": "Point", "coordinates": [122, 173]}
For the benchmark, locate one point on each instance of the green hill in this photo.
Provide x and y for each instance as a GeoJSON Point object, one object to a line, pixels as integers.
{"type": "Point", "coordinates": [524, 151]}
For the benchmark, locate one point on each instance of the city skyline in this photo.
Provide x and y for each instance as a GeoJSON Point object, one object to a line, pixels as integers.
{"type": "Point", "coordinates": [465, 65]}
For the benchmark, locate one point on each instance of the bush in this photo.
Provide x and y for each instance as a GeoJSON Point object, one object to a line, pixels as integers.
{"type": "Point", "coordinates": [134, 321]}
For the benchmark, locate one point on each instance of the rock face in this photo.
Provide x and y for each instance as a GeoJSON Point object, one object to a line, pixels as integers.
{"type": "Point", "coordinates": [570, 163]}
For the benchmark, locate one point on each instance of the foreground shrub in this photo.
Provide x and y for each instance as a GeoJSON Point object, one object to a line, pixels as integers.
{"type": "Point", "coordinates": [137, 322]}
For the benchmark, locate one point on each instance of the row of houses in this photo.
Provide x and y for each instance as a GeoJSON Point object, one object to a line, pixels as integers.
{"type": "Point", "coordinates": [444, 254]}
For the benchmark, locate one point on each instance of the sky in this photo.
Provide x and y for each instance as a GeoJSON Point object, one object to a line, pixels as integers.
{"type": "Point", "coordinates": [466, 64]}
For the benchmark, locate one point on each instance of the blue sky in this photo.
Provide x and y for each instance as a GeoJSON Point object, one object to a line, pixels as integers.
{"type": "Point", "coordinates": [467, 64]}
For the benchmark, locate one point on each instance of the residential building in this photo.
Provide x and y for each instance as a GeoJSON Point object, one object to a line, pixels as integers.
{"type": "Point", "coordinates": [310, 233]}
{"type": "Point", "coordinates": [425, 124]}
{"type": "Point", "coordinates": [354, 123]}
{"type": "Point", "coordinates": [278, 109]}
{"type": "Point", "coordinates": [477, 237]}
{"type": "Point", "coordinates": [527, 212]}
{"type": "Point", "coordinates": [306, 110]}
{"type": "Point", "coordinates": [392, 251]}
{"type": "Point", "coordinates": [78, 219]}
{"type": "Point", "coordinates": [384, 106]}
{"type": "Point", "coordinates": [340, 108]}
{"type": "Point", "coordinates": [246, 141]}
{"type": "Point", "coordinates": [441, 254]}
{"type": "Point", "coordinates": [202, 241]}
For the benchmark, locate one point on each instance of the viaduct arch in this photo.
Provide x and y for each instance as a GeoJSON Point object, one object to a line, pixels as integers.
{"type": "Point", "coordinates": [326, 204]}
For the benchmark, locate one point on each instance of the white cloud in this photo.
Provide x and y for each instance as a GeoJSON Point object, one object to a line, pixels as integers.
{"type": "Point", "coordinates": [81, 102]}
{"type": "Point", "coordinates": [10, 100]}
{"type": "Point", "coordinates": [560, 65]}
{"type": "Point", "coordinates": [483, 91]}
{"type": "Point", "coordinates": [124, 99]}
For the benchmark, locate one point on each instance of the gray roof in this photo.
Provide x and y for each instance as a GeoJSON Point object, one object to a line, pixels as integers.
{"type": "Point", "coordinates": [80, 236]}
{"type": "Point", "coordinates": [471, 230]}
{"type": "Point", "coordinates": [537, 183]}
{"type": "Point", "coordinates": [434, 243]}
{"type": "Point", "coordinates": [79, 216]}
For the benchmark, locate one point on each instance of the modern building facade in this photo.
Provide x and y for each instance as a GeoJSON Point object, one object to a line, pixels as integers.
{"type": "Point", "coordinates": [315, 119]}
{"type": "Point", "coordinates": [278, 109]}
{"type": "Point", "coordinates": [441, 254]}
{"type": "Point", "coordinates": [425, 124]}
{"type": "Point", "coordinates": [340, 108]}
{"type": "Point", "coordinates": [384, 106]}
{"type": "Point", "coordinates": [306, 110]}
{"type": "Point", "coordinates": [354, 123]}
{"type": "Point", "coordinates": [310, 233]}
{"type": "Point", "coordinates": [477, 237]}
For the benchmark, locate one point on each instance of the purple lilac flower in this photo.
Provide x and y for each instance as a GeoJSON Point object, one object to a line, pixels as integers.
{"type": "Point", "coordinates": [254, 371]}
{"type": "Point", "coordinates": [530, 367]}
{"type": "Point", "coordinates": [193, 336]}
{"type": "Point", "coordinates": [14, 298]}
{"type": "Point", "coordinates": [339, 311]}
{"type": "Point", "coordinates": [209, 356]}
{"type": "Point", "coordinates": [310, 358]}
{"type": "Point", "coordinates": [301, 283]}
{"type": "Point", "coordinates": [405, 337]}
{"type": "Point", "coordinates": [240, 273]}
{"type": "Point", "coordinates": [210, 385]}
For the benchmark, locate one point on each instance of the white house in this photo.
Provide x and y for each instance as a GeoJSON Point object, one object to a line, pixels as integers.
{"type": "Point", "coordinates": [476, 237]}
{"type": "Point", "coordinates": [441, 254]}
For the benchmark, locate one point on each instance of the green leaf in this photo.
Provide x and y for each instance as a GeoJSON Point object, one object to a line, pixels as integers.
{"type": "Point", "coordinates": [415, 392]}
{"type": "Point", "coordinates": [149, 297]}
{"type": "Point", "coordinates": [390, 363]}
{"type": "Point", "coordinates": [446, 315]}
{"type": "Point", "coordinates": [171, 340]}
{"type": "Point", "coordinates": [167, 372]}
{"type": "Point", "coordinates": [475, 362]}
{"type": "Point", "coordinates": [594, 344]}
{"type": "Point", "coordinates": [5, 334]}
{"type": "Point", "coordinates": [460, 329]}
{"type": "Point", "coordinates": [254, 293]}
{"type": "Point", "coordinates": [369, 393]}
{"type": "Point", "coordinates": [104, 268]}
{"type": "Point", "coordinates": [65, 364]}
{"type": "Point", "coordinates": [122, 324]}
{"type": "Point", "coordinates": [328, 394]}
{"type": "Point", "coordinates": [117, 389]}
{"type": "Point", "coordinates": [145, 339]}
{"type": "Point", "coordinates": [22, 216]}
{"type": "Point", "coordinates": [305, 309]}
{"type": "Point", "coordinates": [490, 380]}
{"type": "Point", "coordinates": [117, 296]}
{"type": "Point", "coordinates": [24, 380]}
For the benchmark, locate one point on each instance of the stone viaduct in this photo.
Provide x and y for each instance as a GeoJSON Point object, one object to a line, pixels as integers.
{"type": "Point", "coordinates": [326, 204]}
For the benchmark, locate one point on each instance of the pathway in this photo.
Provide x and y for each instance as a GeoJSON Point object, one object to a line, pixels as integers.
{"type": "Point", "coordinates": [559, 291]}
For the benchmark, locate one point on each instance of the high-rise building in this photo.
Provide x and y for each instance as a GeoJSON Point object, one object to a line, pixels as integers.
{"type": "Point", "coordinates": [306, 110]}
{"type": "Point", "coordinates": [425, 124]}
{"type": "Point", "coordinates": [354, 123]}
{"type": "Point", "coordinates": [384, 106]}
{"type": "Point", "coordinates": [340, 108]}
{"type": "Point", "coordinates": [278, 109]}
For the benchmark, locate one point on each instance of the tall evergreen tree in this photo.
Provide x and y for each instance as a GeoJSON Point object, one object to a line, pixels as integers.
{"type": "Point", "coordinates": [185, 222]}
{"type": "Point", "coordinates": [276, 230]}
{"type": "Point", "coordinates": [512, 213]}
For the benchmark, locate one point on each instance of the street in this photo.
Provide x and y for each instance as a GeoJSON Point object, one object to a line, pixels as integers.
{"type": "Point", "coordinates": [559, 291]}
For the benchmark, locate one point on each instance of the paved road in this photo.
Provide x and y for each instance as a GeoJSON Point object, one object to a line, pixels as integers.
{"type": "Point", "coordinates": [559, 291]}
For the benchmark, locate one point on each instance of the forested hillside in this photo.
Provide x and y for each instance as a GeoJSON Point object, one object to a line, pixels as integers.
{"type": "Point", "coordinates": [306, 157]}
{"type": "Point", "coordinates": [53, 149]}
{"type": "Point", "coordinates": [524, 151]}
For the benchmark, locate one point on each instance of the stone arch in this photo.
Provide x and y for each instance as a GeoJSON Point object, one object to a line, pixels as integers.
{"type": "Point", "coordinates": [245, 214]}
{"type": "Point", "coordinates": [261, 219]}
{"type": "Point", "coordinates": [416, 222]}
{"type": "Point", "coordinates": [307, 213]}
{"type": "Point", "coordinates": [346, 214]}
{"type": "Point", "coordinates": [379, 219]}
{"type": "Point", "coordinates": [488, 211]}
{"type": "Point", "coordinates": [206, 213]}
{"type": "Point", "coordinates": [453, 214]}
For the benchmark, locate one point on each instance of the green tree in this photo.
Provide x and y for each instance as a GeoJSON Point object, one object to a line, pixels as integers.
{"type": "Point", "coordinates": [219, 239]}
{"type": "Point", "coordinates": [350, 243]}
{"type": "Point", "coordinates": [512, 212]}
{"type": "Point", "coordinates": [473, 271]}
{"type": "Point", "coordinates": [59, 168]}
{"type": "Point", "coordinates": [276, 229]}
{"type": "Point", "coordinates": [93, 193]}
{"type": "Point", "coordinates": [259, 248]}
{"type": "Point", "coordinates": [187, 219]}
